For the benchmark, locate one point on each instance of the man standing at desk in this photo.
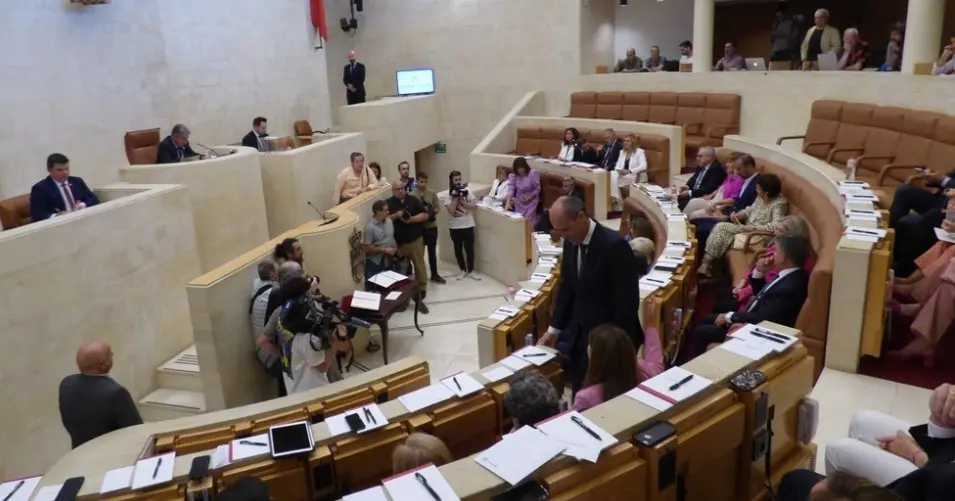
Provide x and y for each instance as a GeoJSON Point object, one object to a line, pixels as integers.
{"type": "Point", "coordinates": [175, 148]}
{"type": "Point", "coordinates": [354, 80]}
{"type": "Point", "coordinates": [256, 137]}
{"type": "Point", "coordinates": [599, 277]}
{"type": "Point", "coordinates": [59, 192]}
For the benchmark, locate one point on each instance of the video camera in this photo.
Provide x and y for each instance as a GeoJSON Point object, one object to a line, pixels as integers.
{"type": "Point", "coordinates": [319, 317]}
{"type": "Point", "coordinates": [459, 190]}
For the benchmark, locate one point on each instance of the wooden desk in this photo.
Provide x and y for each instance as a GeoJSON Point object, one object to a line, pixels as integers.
{"type": "Point", "coordinates": [598, 176]}
{"type": "Point", "coordinates": [385, 310]}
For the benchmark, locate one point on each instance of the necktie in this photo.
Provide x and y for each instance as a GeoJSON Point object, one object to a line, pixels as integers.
{"type": "Point", "coordinates": [69, 197]}
{"type": "Point", "coordinates": [699, 179]}
{"type": "Point", "coordinates": [752, 303]}
{"type": "Point", "coordinates": [581, 259]}
{"type": "Point", "coordinates": [351, 69]}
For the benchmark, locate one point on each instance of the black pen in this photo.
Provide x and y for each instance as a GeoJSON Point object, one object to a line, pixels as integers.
{"type": "Point", "coordinates": [423, 481]}
{"type": "Point", "coordinates": [579, 422]}
{"type": "Point", "coordinates": [764, 336]}
{"type": "Point", "coordinates": [771, 334]}
{"type": "Point", "coordinates": [156, 469]}
{"type": "Point", "coordinates": [528, 355]}
{"type": "Point", "coordinates": [681, 382]}
{"type": "Point", "coordinates": [256, 444]}
{"type": "Point", "coordinates": [456, 383]}
{"type": "Point", "coordinates": [369, 416]}
{"type": "Point", "coordinates": [661, 282]}
{"type": "Point", "coordinates": [855, 230]}
{"type": "Point", "coordinates": [14, 491]}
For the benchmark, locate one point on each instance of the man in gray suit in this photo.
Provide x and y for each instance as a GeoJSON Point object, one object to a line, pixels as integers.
{"type": "Point", "coordinates": [92, 403]}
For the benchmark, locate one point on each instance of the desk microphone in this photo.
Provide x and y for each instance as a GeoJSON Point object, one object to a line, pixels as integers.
{"type": "Point", "coordinates": [320, 213]}
{"type": "Point", "coordinates": [209, 152]}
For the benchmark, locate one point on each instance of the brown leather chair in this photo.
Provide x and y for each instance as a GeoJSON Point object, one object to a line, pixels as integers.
{"type": "Point", "coordinates": [636, 106]}
{"type": "Point", "coordinates": [528, 141]}
{"type": "Point", "coordinates": [583, 105]}
{"type": "Point", "coordinates": [720, 118]}
{"type": "Point", "coordinates": [663, 106]}
{"type": "Point", "coordinates": [885, 131]}
{"type": "Point", "coordinates": [853, 128]}
{"type": "Point", "coordinates": [303, 132]}
{"type": "Point", "coordinates": [15, 212]}
{"type": "Point", "coordinates": [552, 137]}
{"type": "Point", "coordinates": [657, 150]}
{"type": "Point", "coordinates": [142, 146]}
{"type": "Point", "coordinates": [551, 184]}
{"type": "Point", "coordinates": [609, 105]}
{"type": "Point", "coordinates": [820, 133]}
{"type": "Point", "coordinates": [689, 112]}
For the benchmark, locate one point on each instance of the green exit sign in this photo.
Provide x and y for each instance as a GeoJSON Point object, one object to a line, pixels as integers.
{"type": "Point", "coordinates": [440, 147]}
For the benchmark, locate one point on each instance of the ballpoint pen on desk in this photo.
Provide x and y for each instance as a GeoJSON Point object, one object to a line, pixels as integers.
{"type": "Point", "coordinates": [579, 422]}
{"type": "Point", "coordinates": [528, 355]}
{"type": "Point", "coordinates": [14, 491]}
{"type": "Point", "coordinates": [255, 444]}
{"type": "Point", "coordinates": [456, 383]}
{"type": "Point", "coordinates": [678, 384]}
{"type": "Point", "coordinates": [781, 337]}
{"type": "Point", "coordinates": [156, 469]}
{"type": "Point", "coordinates": [864, 232]}
{"type": "Point", "coordinates": [424, 482]}
{"type": "Point", "coordinates": [369, 416]}
{"type": "Point", "coordinates": [770, 338]}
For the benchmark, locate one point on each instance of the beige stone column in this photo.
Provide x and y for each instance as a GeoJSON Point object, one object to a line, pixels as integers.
{"type": "Point", "coordinates": [923, 33]}
{"type": "Point", "coordinates": [703, 20]}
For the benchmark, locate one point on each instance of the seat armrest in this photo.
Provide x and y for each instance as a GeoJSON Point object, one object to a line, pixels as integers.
{"type": "Point", "coordinates": [779, 140]}
{"type": "Point", "coordinates": [727, 129]}
{"type": "Point", "coordinates": [817, 143]}
{"type": "Point", "coordinates": [837, 150]}
{"type": "Point", "coordinates": [876, 157]}
{"type": "Point", "coordinates": [686, 127]}
{"type": "Point", "coordinates": [758, 233]}
{"type": "Point", "coordinates": [886, 169]}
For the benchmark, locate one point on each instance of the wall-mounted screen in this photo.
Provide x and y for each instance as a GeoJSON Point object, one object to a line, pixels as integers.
{"type": "Point", "coordinates": [414, 82]}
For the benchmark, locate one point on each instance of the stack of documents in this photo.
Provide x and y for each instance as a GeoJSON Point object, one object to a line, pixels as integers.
{"type": "Point", "coordinates": [669, 388]}
{"type": "Point", "coordinates": [525, 295]}
{"type": "Point", "coordinates": [366, 300]}
{"type": "Point", "coordinates": [755, 342]}
{"type": "Point", "coordinates": [19, 490]}
{"type": "Point", "coordinates": [387, 278]}
{"type": "Point", "coordinates": [503, 313]}
{"type": "Point", "coordinates": [582, 438]}
{"type": "Point", "coordinates": [520, 455]}
{"type": "Point", "coordinates": [539, 278]}
{"type": "Point", "coordinates": [865, 234]}
{"type": "Point", "coordinates": [426, 397]}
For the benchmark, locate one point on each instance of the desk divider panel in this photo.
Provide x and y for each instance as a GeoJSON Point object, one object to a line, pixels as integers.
{"type": "Point", "coordinates": [618, 475]}
{"type": "Point", "coordinates": [287, 479]}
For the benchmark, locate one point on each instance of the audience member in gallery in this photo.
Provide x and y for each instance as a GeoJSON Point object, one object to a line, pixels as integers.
{"type": "Point", "coordinates": [432, 203]}
{"type": "Point", "coordinates": [570, 150]}
{"type": "Point", "coordinates": [893, 51]}
{"type": "Point", "coordinates": [945, 65]}
{"type": "Point", "coordinates": [712, 205]}
{"type": "Point", "coordinates": [256, 137]}
{"type": "Point", "coordinates": [707, 177]}
{"type": "Point", "coordinates": [530, 400]}
{"type": "Point", "coordinates": [807, 485]}
{"type": "Point", "coordinates": [91, 403]}
{"type": "Point", "coordinates": [784, 35]}
{"type": "Point", "coordinates": [915, 213]}
{"type": "Point", "coordinates": [655, 62]}
{"type": "Point", "coordinates": [525, 193]}
{"type": "Point", "coordinates": [377, 170]}
{"type": "Point", "coordinates": [419, 449]}
{"type": "Point", "coordinates": [882, 448]}
{"type": "Point", "coordinates": [353, 180]}
{"type": "Point", "coordinates": [631, 167]}
{"type": "Point", "coordinates": [854, 53]}
{"type": "Point", "coordinates": [59, 193]}
{"type": "Point", "coordinates": [630, 64]}
{"type": "Point", "coordinates": [686, 52]}
{"type": "Point", "coordinates": [731, 60]}
{"type": "Point", "coordinates": [405, 177]}
{"type": "Point", "coordinates": [764, 215]}
{"type": "Point", "coordinates": [175, 147]}
{"type": "Point", "coordinates": [778, 301]}
{"type": "Point", "coordinates": [501, 186]}
{"type": "Point", "coordinates": [820, 39]}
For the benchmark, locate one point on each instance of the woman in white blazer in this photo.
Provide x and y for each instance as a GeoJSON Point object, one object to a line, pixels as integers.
{"type": "Point", "coordinates": [631, 167]}
{"type": "Point", "coordinates": [500, 186]}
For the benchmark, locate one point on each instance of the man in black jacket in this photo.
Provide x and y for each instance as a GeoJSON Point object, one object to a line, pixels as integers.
{"type": "Point", "coordinates": [354, 80]}
{"type": "Point", "coordinates": [255, 137]}
{"type": "Point", "coordinates": [778, 301]}
{"type": "Point", "coordinates": [568, 187]}
{"type": "Point", "coordinates": [91, 403]}
{"type": "Point", "coordinates": [915, 213]}
{"type": "Point", "coordinates": [707, 177]}
{"type": "Point", "coordinates": [175, 148]}
{"type": "Point", "coordinates": [598, 286]}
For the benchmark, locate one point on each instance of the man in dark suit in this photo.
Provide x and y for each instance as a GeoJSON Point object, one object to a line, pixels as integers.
{"type": "Point", "coordinates": [59, 192]}
{"type": "Point", "coordinates": [254, 139]}
{"type": "Point", "coordinates": [778, 301]}
{"type": "Point", "coordinates": [91, 403]}
{"type": "Point", "coordinates": [354, 80]}
{"type": "Point", "coordinates": [598, 286]}
{"type": "Point", "coordinates": [175, 148]}
{"type": "Point", "coordinates": [707, 177]}
{"type": "Point", "coordinates": [915, 213]}
{"type": "Point", "coordinates": [568, 188]}
{"type": "Point", "coordinates": [610, 151]}
{"type": "Point", "coordinates": [746, 166]}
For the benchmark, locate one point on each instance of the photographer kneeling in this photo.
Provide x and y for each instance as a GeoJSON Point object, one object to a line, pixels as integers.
{"type": "Point", "coordinates": [307, 345]}
{"type": "Point", "coordinates": [460, 206]}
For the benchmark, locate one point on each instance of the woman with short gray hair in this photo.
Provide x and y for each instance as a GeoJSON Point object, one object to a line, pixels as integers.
{"type": "Point", "coordinates": [531, 399]}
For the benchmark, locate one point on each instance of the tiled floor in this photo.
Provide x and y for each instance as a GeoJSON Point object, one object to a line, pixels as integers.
{"type": "Point", "coordinates": [449, 344]}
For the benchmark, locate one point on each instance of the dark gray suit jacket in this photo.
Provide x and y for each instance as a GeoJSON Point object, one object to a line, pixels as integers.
{"type": "Point", "coordinates": [91, 406]}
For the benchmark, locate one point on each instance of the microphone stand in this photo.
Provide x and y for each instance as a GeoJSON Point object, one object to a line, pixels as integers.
{"type": "Point", "coordinates": [320, 213]}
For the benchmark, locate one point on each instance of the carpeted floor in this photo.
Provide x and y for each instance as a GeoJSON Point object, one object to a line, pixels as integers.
{"type": "Point", "coordinates": [911, 373]}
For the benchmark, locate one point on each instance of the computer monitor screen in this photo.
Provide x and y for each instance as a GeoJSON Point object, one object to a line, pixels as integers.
{"type": "Point", "coordinates": [415, 81]}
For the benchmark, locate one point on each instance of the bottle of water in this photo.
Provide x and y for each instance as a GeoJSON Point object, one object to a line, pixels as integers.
{"type": "Point", "coordinates": [529, 339]}
{"type": "Point", "coordinates": [851, 166]}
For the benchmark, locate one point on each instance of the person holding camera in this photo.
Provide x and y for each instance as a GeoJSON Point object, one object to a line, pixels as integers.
{"type": "Point", "coordinates": [461, 206]}
{"type": "Point", "coordinates": [409, 215]}
{"type": "Point", "coordinates": [430, 201]}
{"type": "Point", "coordinates": [308, 357]}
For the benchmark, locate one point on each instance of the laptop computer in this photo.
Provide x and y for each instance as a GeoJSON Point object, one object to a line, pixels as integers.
{"type": "Point", "coordinates": [755, 64]}
{"type": "Point", "coordinates": [828, 61]}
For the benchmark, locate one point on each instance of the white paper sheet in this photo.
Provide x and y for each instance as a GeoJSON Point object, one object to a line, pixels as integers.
{"type": "Point", "coordinates": [338, 426]}
{"type": "Point", "coordinates": [366, 300]}
{"type": "Point", "coordinates": [678, 243]}
{"type": "Point", "coordinates": [426, 397]}
{"type": "Point", "coordinates": [147, 474]}
{"type": "Point", "coordinates": [407, 487]}
{"type": "Point", "coordinates": [862, 238]}
{"type": "Point", "coordinates": [746, 334]}
{"type": "Point", "coordinates": [387, 278]}
{"type": "Point", "coordinates": [858, 220]}
{"type": "Point", "coordinates": [858, 184]}
{"type": "Point", "coordinates": [520, 455]}
{"type": "Point", "coordinates": [673, 259]}
{"type": "Point", "coordinates": [118, 479]}
{"type": "Point", "coordinates": [534, 355]}
{"type": "Point", "coordinates": [529, 292]}
{"type": "Point", "coordinates": [23, 492]}
{"type": "Point", "coordinates": [220, 457]}
{"type": "Point", "coordinates": [462, 384]}
{"type": "Point", "coordinates": [944, 236]}
{"type": "Point", "coordinates": [547, 260]}
{"type": "Point", "coordinates": [580, 444]}
{"type": "Point", "coordinates": [393, 296]}
{"type": "Point", "coordinates": [497, 374]}
{"type": "Point", "coordinates": [247, 447]}
{"type": "Point", "coordinates": [376, 493]}
{"type": "Point", "coordinates": [48, 493]}
{"type": "Point", "coordinates": [661, 384]}
{"type": "Point", "coordinates": [649, 399]}
{"type": "Point", "coordinates": [516, 363]}
{"type": "Point", "coordinates": [740, 347]}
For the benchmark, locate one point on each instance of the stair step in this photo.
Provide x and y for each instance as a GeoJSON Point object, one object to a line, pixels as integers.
{"type": "Point", "coordinates": [186, 361]}
{"type": "Point", "coordinates": [172, 379]}
{"type": "Point", "coordinates": [166, 403]}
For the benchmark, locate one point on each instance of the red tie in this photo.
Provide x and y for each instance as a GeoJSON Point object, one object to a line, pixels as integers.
{"type": "Point", "coordinates": [69, 197]}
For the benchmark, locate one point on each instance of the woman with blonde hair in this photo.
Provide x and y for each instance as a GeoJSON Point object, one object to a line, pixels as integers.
{"type": "Point", "coordinates": [417, 450]}
{"type": "Point", "coordinates": [631, 168]}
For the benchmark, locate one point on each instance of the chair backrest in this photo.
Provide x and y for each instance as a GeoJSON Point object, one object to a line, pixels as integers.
{"type": "Point", "coordinates": [722, 110]}
{"type": "Point", "coordinates": [583, 105]}
{"type": "Point", "coordinates": [942, 152]}
{"type": "Point", "coordinates": [142, 146]}
{"type": "Point", "coordinates": [551, 184]}
{"type": "Point", "coordinates": [822, 127]}
{"type": "Point", "coordinates": [918, 134]}
{"type": "Point", "coordinates": [691, 106]}
{"type": "Point", "coordinates": [15, 212]}
{"type": "Point", "coordinates": [636, 106]}
{"type": "Point", "coordinates": [657, 150]}
{"type": "Point", "coordinates": [528, 140]}
{"type": "Point", "coordinates": [303, 128]}
{"type": "Point", "coordinates": [884, 133]}
{"type": "Point", "coordinates": [609, 105]}
{"type": "Point", "coordinates": [853, 129]}
{"type": "Point", "coordinates": [663, 106]}
{"type": "Point", "coordinates": [552, 137]}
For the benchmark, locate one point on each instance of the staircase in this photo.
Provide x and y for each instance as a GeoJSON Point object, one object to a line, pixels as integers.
{"type": "Point", "coordinates": [180, 390]}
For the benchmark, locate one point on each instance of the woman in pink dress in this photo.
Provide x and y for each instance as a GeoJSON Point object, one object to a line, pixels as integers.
{"type": "Point", "coordinates": [525, 190]}
{"type": "Point", "coordinates": [933, 314]}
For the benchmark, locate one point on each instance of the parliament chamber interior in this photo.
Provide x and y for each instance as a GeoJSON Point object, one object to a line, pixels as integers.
{"type": "Point", "coordinates": [691, 250]}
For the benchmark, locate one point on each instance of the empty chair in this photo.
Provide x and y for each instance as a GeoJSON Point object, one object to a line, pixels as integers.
{"type": "Point", "coordinates": [142, 146]}
{"type": "Point", "coordinates": [583, 105]}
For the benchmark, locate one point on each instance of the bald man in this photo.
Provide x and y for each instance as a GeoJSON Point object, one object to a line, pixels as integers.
{"type": "Point", "coordinates": [91, 403]}
{"type": "Point", "coordinates": [354, 80]}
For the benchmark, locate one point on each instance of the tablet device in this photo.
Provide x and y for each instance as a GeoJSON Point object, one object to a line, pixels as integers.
{"type": "Point", "coordinates": [291, 439]}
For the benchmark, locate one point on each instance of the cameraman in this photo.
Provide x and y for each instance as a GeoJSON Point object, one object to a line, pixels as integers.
{"type": "Point", "coordinates": [308, 360]}
{"type": "Point", "coordinates": [430, 201]}
{"type": "Point", "coordinates": [408, 215]}
{"type": "Point", "coordinates": [460, 204]}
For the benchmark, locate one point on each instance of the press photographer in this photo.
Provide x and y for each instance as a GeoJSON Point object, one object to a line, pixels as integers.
{"type": "Point", "coordinates": [308, 335]}
{"type": "Point", "coordinates": [461, 207]}
{"type": "Point", "coordinates": [430, 201]}
{"type": "Point", "coordinates": [409, 215]}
